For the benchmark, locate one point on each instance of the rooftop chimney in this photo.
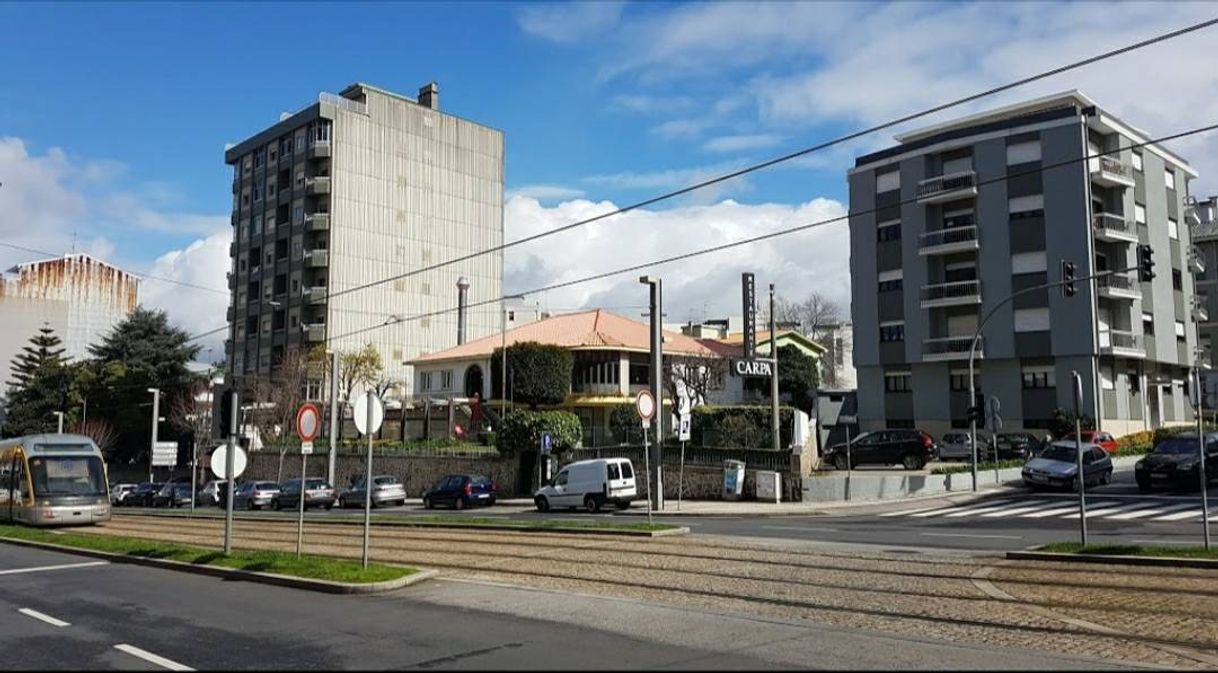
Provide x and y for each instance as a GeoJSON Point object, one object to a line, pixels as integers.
{"type": "Point", "coordinates": [462, 298]}
{"type": "Point", "coordinates": [429, 95]}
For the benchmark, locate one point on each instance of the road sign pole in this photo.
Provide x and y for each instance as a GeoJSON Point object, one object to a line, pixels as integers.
{"type": "Point", "coordinates": [995, 421]}
{"type": "Point", "coordinates": [1205, 501]}
{"type": "Point", "coordinates": [647, 468]}
{"type": "Point", "coordinates": [304, 458]}
{"type": "Point", "coordinates": [849, 463]}
{"type": "Point", "coordinates": [681, 477]}
{"type": "Point", "coordinates": [1077, 382]}
{"type": "Point", "coordinates": [368, 479]}
{"type": "Point", "coordinates": [230, 458]}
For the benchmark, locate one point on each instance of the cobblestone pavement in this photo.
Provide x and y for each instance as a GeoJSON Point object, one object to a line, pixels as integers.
{"type": "Point", "coordinates": [1166, 617]}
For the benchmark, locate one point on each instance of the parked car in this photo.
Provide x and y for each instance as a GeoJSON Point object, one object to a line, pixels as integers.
{"type": "Point", "coordinates": [172, 495]}
{"type": "Point", "coordinates": [912, 449]}
{"type": "Point", "coordinates": [318, 493]}
{"type": "Point", "coordinates": [590, 483]}
{"type": "Point", "coordinates": [956, 446]}
{"type": "Point", "coordinates": [1017, 445]}
{"type": "Point", "coordinates": [143, 494]}
{"type": "Point", "coordinates": [1176, 463]}
{"type": "Point", "coordinates": [1057, 466]}
{"type": "Point", "coordinates": [253, 495]}
{"type": "Point", "coordinates": [119, 493]}
{"type": "Point", "coordinates": [460, 491]}
{"type": "Point", "coordinates": [386, 490]}
{"type": "Point", "coordinates": [211, 492]}
{"type": "Point", "coordinates": [1102, 439]}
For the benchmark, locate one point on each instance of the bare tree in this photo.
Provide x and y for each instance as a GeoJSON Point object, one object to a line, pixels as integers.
{"type": "Point", "coordinates": [693, 376]}
{"type": "Point", "coordinates": [100, 431]}
{"type": "Point", "coordinates": [820, 319]}
{"type": "Point", "coordinates": [277, 397]}
{"type": "Point", "coordinates": [191, 412]}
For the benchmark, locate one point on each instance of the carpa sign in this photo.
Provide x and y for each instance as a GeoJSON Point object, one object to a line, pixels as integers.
{"type": "Point", "coordinates": [754, 368]}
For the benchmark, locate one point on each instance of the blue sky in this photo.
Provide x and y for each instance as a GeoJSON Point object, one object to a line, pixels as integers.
{"type": "Point", "coordinates": [114, 117]}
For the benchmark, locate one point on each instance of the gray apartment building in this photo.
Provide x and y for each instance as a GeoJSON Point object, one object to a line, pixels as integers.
{"type": "Point", "coordinates": [353, 189]}
{"type": "Point", "coordinates": [1205, 238]}
{"type": "Point", "coordinates": [950, 222]}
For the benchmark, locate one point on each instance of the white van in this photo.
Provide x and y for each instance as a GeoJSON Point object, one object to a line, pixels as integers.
{"type": "Point", "coordinates": [590, 484]}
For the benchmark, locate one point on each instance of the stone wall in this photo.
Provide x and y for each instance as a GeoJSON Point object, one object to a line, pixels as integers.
{"type": "Point", "coordinates": [416, 472]}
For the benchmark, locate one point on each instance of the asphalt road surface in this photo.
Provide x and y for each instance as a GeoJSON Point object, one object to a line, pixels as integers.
{"type": "Point", "coordinates": [1008, 520]}
{"type": "Point", "coordinates": [61, 611]}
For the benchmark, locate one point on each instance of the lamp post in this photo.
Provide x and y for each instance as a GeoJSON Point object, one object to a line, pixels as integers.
{"type": "Point", "coordinates": [503, 382]}
{"type": "Point", "coordinates": [656, 493]}
{"type": "Point", "coordinates": [156, 417]}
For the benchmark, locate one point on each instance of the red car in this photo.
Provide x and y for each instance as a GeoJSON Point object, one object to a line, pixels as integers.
{"type": "Point", "coordinates": [1102, 439]}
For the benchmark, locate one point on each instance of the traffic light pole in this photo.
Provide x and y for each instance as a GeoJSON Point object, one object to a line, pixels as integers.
{"type": "Point", "coordinates": [972, 350]}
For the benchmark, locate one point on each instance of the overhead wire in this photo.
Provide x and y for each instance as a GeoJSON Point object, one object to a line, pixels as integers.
{"type": "Point", "coordinates": [145, 276]}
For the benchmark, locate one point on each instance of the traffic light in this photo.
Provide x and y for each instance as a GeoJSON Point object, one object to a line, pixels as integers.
{"type": "Point", "coordinates": [976, 414]}
{"type": "Point", "coordinates": [1146, 263]}
{"type": "Point", "coordinates": [228, 407]}
{"type": "Point", "coordinates": [1068, 277]}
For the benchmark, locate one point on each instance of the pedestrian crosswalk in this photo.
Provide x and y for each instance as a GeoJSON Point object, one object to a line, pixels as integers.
{"type": "Point", "coordinates": [1063, 508]}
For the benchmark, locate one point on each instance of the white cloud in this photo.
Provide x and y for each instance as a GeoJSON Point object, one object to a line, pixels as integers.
{"type": "Point", "coordinates": [545, 192]}
{"type": "Point", "coordinates": [739, 143]}
{"type": "Point", "coordinates": [570, 22]}
{"type": "Point", "coordinates": [682, 128]}
{"type": "Point", "coordinates": [678, 178]}
{"type": "Point", "coordinates": [41, 205]}
{"type": "Point", "coordinates": [651, 104]}
{"type": "Point", "coordinates": [202, 263]}
{"type": "Point", "coordinates": [705, 286]}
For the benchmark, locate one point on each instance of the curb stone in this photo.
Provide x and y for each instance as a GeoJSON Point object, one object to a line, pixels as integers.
{"type": "Point", "coordinates": [324, 586]}
{"type": "Point", "coordinates": [1114, 559]}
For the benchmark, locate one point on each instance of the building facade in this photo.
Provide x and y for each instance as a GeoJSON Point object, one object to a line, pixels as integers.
{"type": "Point", "coordinates": [945, 226]}
{"type": "Point", "coordinates": [337, 207]}
{"type": "Point", "coordinates": [80, 297]}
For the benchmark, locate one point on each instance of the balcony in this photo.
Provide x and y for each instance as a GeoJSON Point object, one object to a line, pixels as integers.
{"type": "Point", "coordinates": [317, 221]}
{"type": "Point", "coordinates": [1119, 286]}
{"type": "Point", "coordinates": [1196, 260]}
{"type": "Point", "coordinates": [961, 293]}
{"type": "Point", "coordinates": [948, 187]}
{"type": "Point", "coordinates": [950, 348]}
{"type": "Point", "coordinates": [314, 332]}
{"type": "Point", "coordinates": [1121, 344]}
{"type": "Point", "coordinates": [317, 185]}
{"type": "Point", "coordinates": [230, 314]}
{"type": "Point", "coordinates": [315, 295]}
{"type": "Point", "coordinates": [1201, 312]}
{"type": "Point", "coordinates": [232, 281]}
{"type": "Point", "coordinates": [1114, 228]}
{"type": "Point", "coordinates": [319, 150]}
{"type": "Point", "coordinates": [317, 258]}
{"type": "Point", "coordinates": [947, 241]}
{"type": "Point", "coordinates": [1108, 171]}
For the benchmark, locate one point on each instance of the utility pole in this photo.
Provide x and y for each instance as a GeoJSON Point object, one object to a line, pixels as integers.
{"type": "Point", "coordinates": [333, 457]}
{"type": "Point", "coordinates": [774, 425]}
{"type": "Point", "coordinates": [156, 416]}
{"type": "Point", "coordinates": [657, 385]}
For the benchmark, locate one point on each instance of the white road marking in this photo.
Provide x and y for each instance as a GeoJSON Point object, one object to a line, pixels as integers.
{"type": "Point", "coordinates": [1149, 512]}
{"type": "Point", "coordinates": [43, 617]}
{"type": "Point", "coordinates": [961, 511]}
{"type": "Point", "coordinates": [977, 511]}
{"type": "Point", "coordinates": [63, 566]}
{"type": "Point", "coordinates": [1023, 509]}
{"type": "Point", "coordinates": [1181, 516]}
{"type": "Point", "coordinates": [995, 537]}
{"type": "Point", "coordinates": [1105, 511]}
{"type": "Point", "coordinates": [152, 658]}
{"type": "Point", "coordinates": [1063, 510]}
{"type": "Point", "coordinates": [903, 512]}
{"type": "Point", "coordinates": [810, 529]}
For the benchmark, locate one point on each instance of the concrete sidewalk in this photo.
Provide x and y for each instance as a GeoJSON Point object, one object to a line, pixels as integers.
{"type": "Point", "coordinates": [754, 508]}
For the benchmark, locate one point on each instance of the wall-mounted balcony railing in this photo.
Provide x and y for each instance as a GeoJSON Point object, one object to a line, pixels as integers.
{"type": "Point", "coordinates": [317, 185]}
{"type": "Point", "coordinates": [1121, 343]}
{"type": "Point", "coordinates": [315, 295]}
{"type": "Point", "coordinates": [1109, 171]}
{"type": "Point", "coordinates": [317, 258]}
{"type": "Point", "coordinates": [1119, 286]}
{"type": "Point", "coordinates": [314, 332]}
{"type": "Point", "coordinates": [950, 348]}
{"type": "Point", "coordinates": [946, 241]}
{"type": "Point", "coordinates": [960, 293]}
{"type": "Point", "coordinates": [317, 221]}
{"type": "Point", "coordinates": [948, 187]}
{"type": "Point", "coordinates": [1114, 228]}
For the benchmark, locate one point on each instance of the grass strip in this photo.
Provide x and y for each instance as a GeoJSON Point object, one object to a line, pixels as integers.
{"type": "Point", "coordinates": [981, 467]}
{"type": "Point", "coordinates": [279, 563]}
{"type": "Point", "coordinates": [1130, 550]}
{"type": "Point", "coordinates": [450, 521]}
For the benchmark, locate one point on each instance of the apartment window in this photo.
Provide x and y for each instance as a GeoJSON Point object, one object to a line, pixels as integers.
{"type": "Point", "coordinates": [257, 190]}
{"type": "Point", "coordinates": [958, 217]}
{"type": "Point", "coordinates": [1173, 229]}
{"type": "Point", "coordinates": [1148, 324]}
{"type": "Point", "coordinates": [258, 160]}
{"type": "Point", "coordinates": [272, 154]}
{"type": "Point", "coordinates": [300, 143]}
{"type": "Point", "coordinates": [892, 331]}
{"type": "Point", "coordinates": [888, 232]}
{"type": "Point", "coordinates": [897, 383]}
{"type": "Point", "coordinates": [886, 182]}
{"type": "Point", "coordinates": [900, 423]}
{"type": "Point", "coordinates": [1107, 377]}
{"type": "Point", "coordinates": [1032, 319]}
{"type": "Point", "coordinates": [1139, 213]}
{"type": "Point", "coordinates": [1029, 262]}
{"type": "Point", "coordinates": [1024, 152]}
{"type": "Point", "coordinates": [890, 281]}
{"type": "Point", "coordinates": [959, 380]}
{"type": "Point", "coordinates": [270, 189]}
{"type": "Point", "coordinates": [1135, 384]}
{"type": "Point", "coordinates": [298, 214]}
{"type": "Point", "coordinates": [1137, 161]}
{"type": "Point", "coordinates": [1039, 377]}
{"type": "Point", "coordinates": [1179, 330]}
{"type": "Point", "coordinates": [1032, 205]}
{"type": "Point", "coordinates": [446, 379]}
{"type": "Point", "coordinates": [424, 381]}
{"type": "Point", "coordinates": [1169, 179]}
{"type": "Point", "coordinates": [1177, 280]}
{"type": "Point", "coordinates": [300, 178]}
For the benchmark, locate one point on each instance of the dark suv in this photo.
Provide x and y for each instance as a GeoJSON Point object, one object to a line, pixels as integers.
{"type": "Point", "coordinates": [911, 449]}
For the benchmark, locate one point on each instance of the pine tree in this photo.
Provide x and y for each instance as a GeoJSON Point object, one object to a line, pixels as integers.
{"type": "Point", "coordinates": [43, 351]}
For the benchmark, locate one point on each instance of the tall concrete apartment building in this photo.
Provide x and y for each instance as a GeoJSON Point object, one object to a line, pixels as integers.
{"type": "Point", "coordinates": [353, 189]}
{"type": "Point", "coordinates": [950, 222]}
{"type": "Point", "coordinates": [1205, 237]}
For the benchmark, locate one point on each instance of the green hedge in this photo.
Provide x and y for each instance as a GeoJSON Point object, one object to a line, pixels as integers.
{"type": "Point", "coordinates": [1144, 442]}
{"type": "Point", "coordinates": [744, 427]}
{"type": "Point", "coordinates": [521, 431]}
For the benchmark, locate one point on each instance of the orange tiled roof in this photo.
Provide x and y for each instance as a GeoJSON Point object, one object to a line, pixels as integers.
{"type": "Point", "coordinates": [589, 330]}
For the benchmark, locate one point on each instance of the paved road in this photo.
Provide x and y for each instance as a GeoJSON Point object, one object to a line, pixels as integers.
{"type": "Point", "coordinates": [60, 611]}
{"type": "Point", "coordinates": [1013, 519]}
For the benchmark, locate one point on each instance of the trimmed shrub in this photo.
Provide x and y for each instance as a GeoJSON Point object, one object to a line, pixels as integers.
{"type": "Point", "coordinates": [521, 431]}
{"type": "Point", "coordinates": [540, 374]}
{"type": "Point", "coordinates": [622, 420]}
{"type": "Point", "coordinates": [742, 427]}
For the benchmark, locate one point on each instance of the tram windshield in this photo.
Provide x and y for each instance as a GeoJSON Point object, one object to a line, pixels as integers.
{"type": "Point", "coordinates": [67, 475]}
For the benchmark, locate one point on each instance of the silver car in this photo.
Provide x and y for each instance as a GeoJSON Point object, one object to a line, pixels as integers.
{"type": "Point", "coordinates": [386, 490]}
{"type": "Point", "coordinates": [1057, 466]}
{"type": "Point", "coordinates": [956, 446]}
{"type": "Point", "coordinates": [254, 495]}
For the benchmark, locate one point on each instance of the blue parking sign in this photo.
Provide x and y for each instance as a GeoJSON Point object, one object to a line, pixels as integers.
{"type": "Point", "coordinates": [545, 443]}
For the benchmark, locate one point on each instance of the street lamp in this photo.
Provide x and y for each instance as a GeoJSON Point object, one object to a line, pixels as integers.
{"type": "Point", "coordinates": [503, 383]}
{"type": "Point", "coordinates": [656, 305]}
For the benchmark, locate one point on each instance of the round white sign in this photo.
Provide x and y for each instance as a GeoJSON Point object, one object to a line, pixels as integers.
{"type": "Point", "coordinates": [645, 405]}
{"type": "Point", "coordinates": [360, 414]}
{"type": "Point", "coordinates": [308, 423]}
{"type": "Point", "coordinates": [218, 457]}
